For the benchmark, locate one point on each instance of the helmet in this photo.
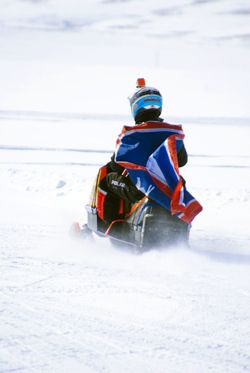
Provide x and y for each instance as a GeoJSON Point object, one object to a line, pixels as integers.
{"type": "Point", "coordinates": [146, 102]}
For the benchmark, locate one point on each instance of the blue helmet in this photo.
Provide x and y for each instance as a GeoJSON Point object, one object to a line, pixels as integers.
{"type": "Point", "coordinates": [146, 104]}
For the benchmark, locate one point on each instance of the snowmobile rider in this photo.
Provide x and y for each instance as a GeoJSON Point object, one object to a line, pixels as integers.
{"type": "Point", "coordinates": [146, 106]}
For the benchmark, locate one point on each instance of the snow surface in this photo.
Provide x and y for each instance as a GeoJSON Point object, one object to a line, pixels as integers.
{"type": "Point", "coordinates": [68, 305]}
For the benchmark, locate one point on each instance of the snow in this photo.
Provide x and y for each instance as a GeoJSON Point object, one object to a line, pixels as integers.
{"type": "Point", "coordinates": [69, 305]}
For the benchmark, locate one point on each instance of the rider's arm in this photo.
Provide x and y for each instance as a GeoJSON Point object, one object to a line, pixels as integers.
{"type": "Point", "coordinates": [182, 156]}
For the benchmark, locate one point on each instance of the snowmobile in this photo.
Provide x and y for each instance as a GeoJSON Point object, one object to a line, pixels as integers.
{"type": "Point", "coordinates": [148, 153]}
{"type": "Point", "coordinates": [149, 225]}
